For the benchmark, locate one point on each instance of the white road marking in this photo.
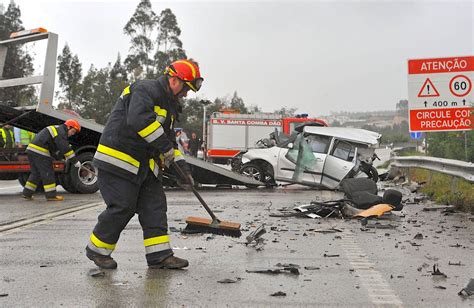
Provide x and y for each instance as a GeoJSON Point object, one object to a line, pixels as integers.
{"type": "Point", "coordinates": [46, 218]}
{"type": "Point", "coordinates": [378, 289]}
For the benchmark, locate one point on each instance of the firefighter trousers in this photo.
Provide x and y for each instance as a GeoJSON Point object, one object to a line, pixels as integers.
{"type": "Point", "coordinates": [41, 171]}
{"type": "Point", "coordinates": [123, 199]}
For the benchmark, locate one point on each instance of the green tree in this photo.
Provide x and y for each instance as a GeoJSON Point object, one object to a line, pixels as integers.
{"type": "Point", "coordinates": [96, 99]}
{"type": "Point", "coordinates": [18, 63]}
{"type": "Point", "coordinates": [70, 76]}
{"type": "Point", "coordinates": [169, 46]}
{"type": "Point", "coordinates": [100, 90]}
{"type": "Point", "coordinates": [285, 111]}
{"type": "Point", "coordinates": [451, 145]}
{"type": "Point", "coordinates": [140, 30]}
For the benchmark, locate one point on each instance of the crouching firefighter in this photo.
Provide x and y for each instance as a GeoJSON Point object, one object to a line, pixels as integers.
{"type": "Point", "coordinates": [41, 150]}
{"type": "Point", "coordinates": [137, 141]}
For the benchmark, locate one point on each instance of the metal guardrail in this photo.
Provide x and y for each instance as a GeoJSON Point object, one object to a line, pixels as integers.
{"type": "Point", "coordinates": [452, 167]}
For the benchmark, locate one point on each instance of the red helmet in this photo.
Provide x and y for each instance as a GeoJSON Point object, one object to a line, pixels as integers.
{"type": "Point", "coordinates": [187, 71]}
{"type": "Point", "coordinates": [73, 124]}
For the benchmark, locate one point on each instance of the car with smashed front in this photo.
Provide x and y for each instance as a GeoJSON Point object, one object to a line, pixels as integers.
{"type": "Point", "coordinates": [316, 156]}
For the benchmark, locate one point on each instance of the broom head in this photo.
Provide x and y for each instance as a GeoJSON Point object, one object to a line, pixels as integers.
{"type": "Point", "coordinates": [205, 225]}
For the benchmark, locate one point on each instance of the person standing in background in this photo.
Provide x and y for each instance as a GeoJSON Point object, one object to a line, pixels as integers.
{"type": "Point", "coordinates": [194, 144]}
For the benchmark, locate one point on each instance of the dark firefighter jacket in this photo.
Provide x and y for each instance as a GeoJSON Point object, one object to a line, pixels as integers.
{"type": "Point", "coordinates": [139, 129]}
{"type": "Point", "coordinates": [7, 139]}
{"type": "Point", "coordinates": [52, 142]}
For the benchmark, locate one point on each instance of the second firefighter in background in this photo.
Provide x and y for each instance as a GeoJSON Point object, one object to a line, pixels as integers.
{"type": "Point", "coordinates": [138, 137]}
{"type": "Point", "coordinates": [50, 142]}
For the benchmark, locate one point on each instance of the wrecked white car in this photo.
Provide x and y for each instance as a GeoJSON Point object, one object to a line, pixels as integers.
{"type": "Point", "coordinates": [317, 156]}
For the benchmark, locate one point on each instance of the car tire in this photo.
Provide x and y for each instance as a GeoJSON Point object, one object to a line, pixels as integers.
{"type": "Point", "coordinates": [81, 180]}
{"type": "Point", "coordinates": [66, 183]}
{"type": "Point", "coordinates": [258, 173]}
{"type": "Point", "coordinates": [370, 171]}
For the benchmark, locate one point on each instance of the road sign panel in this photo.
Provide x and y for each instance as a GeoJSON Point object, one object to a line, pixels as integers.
{"type": "Point", "coordinates": [415, 135]}
{"type": "Point", "coordinates": [440, 94]}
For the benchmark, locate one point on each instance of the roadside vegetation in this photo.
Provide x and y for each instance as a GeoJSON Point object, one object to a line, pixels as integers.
{"type": "Point", "coordinates": [445, 189]}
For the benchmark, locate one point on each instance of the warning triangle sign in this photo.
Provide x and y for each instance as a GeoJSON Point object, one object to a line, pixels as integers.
{"type": "Point", "coordinates": [428, 89]}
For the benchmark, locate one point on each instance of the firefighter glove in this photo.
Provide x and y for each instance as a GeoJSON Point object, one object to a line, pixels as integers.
{"type": "Point", "coordinates": [77, 164]}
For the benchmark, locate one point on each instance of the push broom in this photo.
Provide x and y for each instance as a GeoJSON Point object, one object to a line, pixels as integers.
{"type": "Point", "coordinates": [205, 225]}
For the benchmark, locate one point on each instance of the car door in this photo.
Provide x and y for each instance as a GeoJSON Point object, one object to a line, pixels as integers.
{"type": "Point", "coordinates": [287, 160]}
{"type": "Point", "coordinates": [285, 167]}
{"type": "Point", "coordinates": [340, 161]}
{"type": "Point", "coordinates": [319, 145]}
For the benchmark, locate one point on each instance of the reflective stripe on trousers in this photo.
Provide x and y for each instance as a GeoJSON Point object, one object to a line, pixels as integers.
{"type": "Point", "coordinates": [99, 246]}
{"type": "Point", "coordinates": [156, 244]}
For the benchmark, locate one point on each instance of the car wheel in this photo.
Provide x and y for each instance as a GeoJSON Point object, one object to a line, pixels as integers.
{"type": "Point", "coordinates": [66, 183]}
{"type": "Point", "coordinates": [253, 171]}
{"type": "Point", "coordinates": [258, 173]}
{"type": "Point", "coordinates": [370, 171]}
{"type": "Point", "coordinates": [84, 179]}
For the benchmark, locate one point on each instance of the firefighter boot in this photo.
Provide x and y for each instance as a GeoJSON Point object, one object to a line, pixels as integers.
{"type": "Point", "coordinates": [171, 262]}
{"type": "Point", "coordinates": [101, 261]}
{"type": "Point", "coordinates": [55, 198]}
{"type": "Point", "coordinates": [29, 198]}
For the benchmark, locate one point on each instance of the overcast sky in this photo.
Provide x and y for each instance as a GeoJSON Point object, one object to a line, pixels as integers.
{"type": "Point", "coordinates": [317, 56]}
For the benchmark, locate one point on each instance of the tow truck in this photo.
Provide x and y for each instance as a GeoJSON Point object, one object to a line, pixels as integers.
{"type": "Point", "coordinates": [14, 162]}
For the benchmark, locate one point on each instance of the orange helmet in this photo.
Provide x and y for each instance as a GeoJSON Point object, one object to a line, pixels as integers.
{"type": "Point", "coordinates": [73, 124]}
{"type": "Point", "coordinates": [187, 71]}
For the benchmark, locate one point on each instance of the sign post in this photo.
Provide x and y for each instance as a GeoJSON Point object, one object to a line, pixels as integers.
{"type": "Point", "coordinates": [440, 94]}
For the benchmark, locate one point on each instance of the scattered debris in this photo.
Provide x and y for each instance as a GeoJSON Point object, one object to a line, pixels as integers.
{"type": "Point", "coordinates": [181, 248]}
{"type": "Point", "coordinates": [46, 265]}
{"type": "Point", "coordinates": [285, 265]}
{"type": "Point", "coordinates": [227, 280]}
{"type": "Point", "coordinates": [468, 290]}
{"type": "Point", "coordinates": [437, 272]}
{"type": "Point", "coordinates": [456, 246]}
{"type": "Point", "coordinates": [418, 236]}
{"type": "Point", "coordinates": [256, 234]}
{"type": "Point", "coordinates": [440, 287]}
{"type": "Point", "coordinates": [455, 263]}
{"type": "Point", "coordinates": [376, 210]}
{"type": "Point", "coordinates": [437, 208]}
{"type": "Point", "coordinates": [312, 268]}
{"type": "Point", "coordinates": [96, 273]}
{"type": "Point", "coordinates": [285, 270]}
{"type": "Point", "coordinates": [378, 225]}
{"type": "Point", "coordinates": [424, 265]}
{"type": "Point", "coordinates": [330, 256]}
{"type": "Point", "coordinates": [279, 293]}
{"type": "Point", "coordinates": [330, 230]}
{"type": "Point", "coordinates": [174, 229]}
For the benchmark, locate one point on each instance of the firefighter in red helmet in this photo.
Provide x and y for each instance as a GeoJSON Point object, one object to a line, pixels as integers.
{"type": "Point", "coordinates": [137, 141]}
{"type": "Point", "coordinates": [49, 141]}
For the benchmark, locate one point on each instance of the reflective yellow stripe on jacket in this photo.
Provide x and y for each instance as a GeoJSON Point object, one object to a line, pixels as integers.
{"type": "Point", "coordinates": [117, 158]}
{"type": "Point", "coordinates": [154, 167]}
{"type": "Point", "coordinates": [160, 114]}
{"type": "Point", "coordinates": [52, 130]}
{"type": "Point", "coordinates": [37, 149]}
{"type": "Point", "coordinates": [152, 132]}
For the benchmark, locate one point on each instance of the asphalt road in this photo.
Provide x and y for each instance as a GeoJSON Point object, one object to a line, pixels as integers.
{"type": "Point", "coordinates": [42, 260]}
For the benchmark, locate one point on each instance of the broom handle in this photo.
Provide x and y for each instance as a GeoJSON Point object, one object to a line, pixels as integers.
{"type": "Point", "coordinates": [185, 178]}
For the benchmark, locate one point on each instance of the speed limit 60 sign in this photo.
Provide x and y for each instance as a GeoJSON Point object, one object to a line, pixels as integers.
{"type": "Point", "coordinates": [440, 94]}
